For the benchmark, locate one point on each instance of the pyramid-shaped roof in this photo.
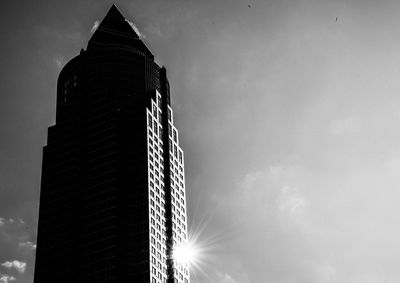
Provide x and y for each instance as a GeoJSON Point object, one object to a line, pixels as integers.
{"type": "Point", "coordinates": [116, 30]}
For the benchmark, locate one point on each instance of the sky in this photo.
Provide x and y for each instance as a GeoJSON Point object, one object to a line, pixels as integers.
{"type": "Point", "coordinates": [288, 113]}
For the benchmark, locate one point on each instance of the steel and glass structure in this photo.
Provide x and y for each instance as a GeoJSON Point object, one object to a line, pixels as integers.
{"type": "Point", "coordinates": [112, 204]}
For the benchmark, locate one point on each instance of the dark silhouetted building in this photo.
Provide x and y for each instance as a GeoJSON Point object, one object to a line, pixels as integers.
{"type": "Point", "coordinates": [112, 203]}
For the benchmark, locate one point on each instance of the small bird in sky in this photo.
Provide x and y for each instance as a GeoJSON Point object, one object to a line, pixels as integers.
{"type": "Point", "coordinates": [336, 18]}
{"type": "Point", "coordinates": [249, 5]}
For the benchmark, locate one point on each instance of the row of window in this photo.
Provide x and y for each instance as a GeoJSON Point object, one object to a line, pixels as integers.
{"type": "Point", "coordinates": [157, 196]}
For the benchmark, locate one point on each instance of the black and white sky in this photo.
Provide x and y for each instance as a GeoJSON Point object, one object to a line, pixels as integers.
{"type": "Point", "coordinates": [289, 116]}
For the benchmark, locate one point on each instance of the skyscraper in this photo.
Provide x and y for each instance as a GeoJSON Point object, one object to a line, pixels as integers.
{"type": "Point", "coordinates": [112, 204]}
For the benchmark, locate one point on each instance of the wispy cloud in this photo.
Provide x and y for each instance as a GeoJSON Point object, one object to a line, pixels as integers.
{"type": "Point", "coordinates": [20, 266]}
{"type": "Point", "coordinates": [5, 278]}
{"type": "Point", "coordinates": [95, 26]}
{"type": "Point", "coordinates": [226, 278]}
{"type": "Point", "coordinates": [135, 28]}
{"type": "Point", "coordinates": [59, 61]}
{"type": "Point", "coordinates": [28, 245]}
{"type": "Point", "coordinates": [4, 222]}
{"type": "Point", "coordinates": [349, 125]}
{"type": "Point", "coordinates": [291, 200]}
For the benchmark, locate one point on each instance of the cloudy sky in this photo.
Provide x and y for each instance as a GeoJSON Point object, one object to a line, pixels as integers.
{"type": "Point", "coordinates": [289, 115]}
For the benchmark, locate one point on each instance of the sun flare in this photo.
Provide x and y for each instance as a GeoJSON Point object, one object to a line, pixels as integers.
{"type": "Point", "coordinates": [186, 254]}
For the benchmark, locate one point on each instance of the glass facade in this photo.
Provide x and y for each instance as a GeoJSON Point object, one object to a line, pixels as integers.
{"type": "Point", "coordinates": [112, 204]}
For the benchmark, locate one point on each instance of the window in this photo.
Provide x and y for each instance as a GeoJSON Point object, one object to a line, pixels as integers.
{"type": "Point", "coordinates": [175, 136]}
{"type": "Point", "coordinates": [155, 111]}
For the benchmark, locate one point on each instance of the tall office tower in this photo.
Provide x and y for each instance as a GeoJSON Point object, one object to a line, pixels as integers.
{"type": "Point", "coordinates": [112, 203]}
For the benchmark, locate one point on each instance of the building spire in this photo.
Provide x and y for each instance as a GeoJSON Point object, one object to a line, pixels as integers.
{"type": "Point", "coordinates": [115, 29]}
{"type": "Point", "coordinates": [114, 12]}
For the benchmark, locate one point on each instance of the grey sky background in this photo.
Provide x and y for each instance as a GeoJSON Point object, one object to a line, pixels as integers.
{"type": "Point", "coordinates": [289, 119]}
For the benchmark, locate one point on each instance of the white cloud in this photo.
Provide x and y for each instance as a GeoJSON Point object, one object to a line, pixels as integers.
{"type": "Point", "coordinates": [325, 272]}
{"type": "Point", "coordinates": [226, 278]}
{"type": "Point", "coordinates": [4, 221]}
{"type": "Point", "coordinates": [291, 200]}
{"type": "Point", "coordinates": [348, 125]}
{"type": "Point", "coordinates": [59, 61]}
{"type": "Point", "coordinates": [28, 245]}
{"type": "Point", "coordinates": [95, 26]}
{"type": "Point", "coordinates": [135, 28]}
{"type": "Point", "coordinates": [270, 191]}
{"type": "Point", "coordinates": [4, 278]}
{"type": "Point", "coordinates": [20, 266]}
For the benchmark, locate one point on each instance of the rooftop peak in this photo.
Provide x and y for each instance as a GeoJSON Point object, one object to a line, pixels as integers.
{"type": "Point", "coordinates": [115, 13]}
{"type": "Point", "coordinates": [115, 29]}
{"type": "Point", "coordinates": [115, 22]}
